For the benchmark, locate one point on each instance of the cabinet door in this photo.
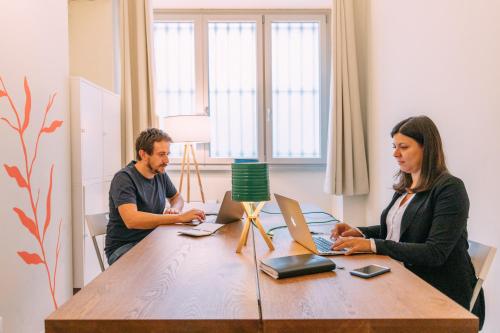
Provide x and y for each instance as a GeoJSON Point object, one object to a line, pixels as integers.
{"type": "Point", "coordinates": [111, 134]}
{"type": "Point", "coordinates": [91, 132]}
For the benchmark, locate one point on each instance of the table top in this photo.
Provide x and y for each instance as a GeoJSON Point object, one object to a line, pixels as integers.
{"type": "Point", "coordinates": [177, 283]}
{"type": "Point", "coordinates": [170, 280]}
{"type": "Point", "coordinates": [396, 300]}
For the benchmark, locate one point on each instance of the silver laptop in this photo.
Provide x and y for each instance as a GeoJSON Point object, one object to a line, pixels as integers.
{"type": "Point", "coordinates": [229, 211]}
{"type": "Point", "coordinates": [294, 219]}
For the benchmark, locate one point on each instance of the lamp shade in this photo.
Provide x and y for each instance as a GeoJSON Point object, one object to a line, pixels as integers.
{"type": "Point", "coordinates": [250, 182]}
{"type": "Point", "coordinates": [188, 128]}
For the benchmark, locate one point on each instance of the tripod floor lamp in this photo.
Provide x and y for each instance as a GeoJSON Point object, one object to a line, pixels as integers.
{"type": "Point", "coordinates": [189, 130]}
{"type": "Point", "coordinates": [250, 186]}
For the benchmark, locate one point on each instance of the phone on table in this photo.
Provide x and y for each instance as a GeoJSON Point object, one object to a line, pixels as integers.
{"type": "Point", "coordinates": [370, 271]}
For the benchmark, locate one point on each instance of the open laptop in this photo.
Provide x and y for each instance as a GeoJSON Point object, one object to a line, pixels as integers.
{"type": "Point", "coordinates": [229, 211]}
{"type": "Point", "coordinates": [294, 219]}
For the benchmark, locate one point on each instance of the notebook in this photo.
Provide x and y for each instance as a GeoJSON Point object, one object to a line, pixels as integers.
{"type": "Point", "coordinates": [296, 223]}
{"type": "Point", "coordinates": [283, 267]}
{"type": "Point", "coordinates": [204, 229]}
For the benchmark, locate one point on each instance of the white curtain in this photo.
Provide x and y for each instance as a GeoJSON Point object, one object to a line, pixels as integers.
{"type": "Point", "coordinates": [137, 68]}
{"type": "Point", "coordinates": [347, 172]}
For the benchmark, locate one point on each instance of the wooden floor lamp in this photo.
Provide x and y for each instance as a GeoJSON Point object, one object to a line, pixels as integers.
{"type": "Point", "coordinates": [250, 186]}
{"type": "Point", "coordinates": [189, 130]}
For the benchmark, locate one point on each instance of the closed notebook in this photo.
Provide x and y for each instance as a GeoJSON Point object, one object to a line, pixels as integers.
{"type": "Point", "coordinates": [283, 267]}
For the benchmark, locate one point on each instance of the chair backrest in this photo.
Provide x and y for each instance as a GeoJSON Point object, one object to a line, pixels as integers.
{"type": "Point", "coordinates": [97, 224]}
{"type": "Point", "coordinates": [482, 257]}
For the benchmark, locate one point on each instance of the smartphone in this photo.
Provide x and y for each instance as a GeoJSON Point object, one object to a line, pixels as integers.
{"type": "Point", "coordinates": [370, 271]}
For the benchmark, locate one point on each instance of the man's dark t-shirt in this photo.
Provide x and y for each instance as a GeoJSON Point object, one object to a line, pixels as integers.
{"type": "Point", "coordinates": [129, 186]}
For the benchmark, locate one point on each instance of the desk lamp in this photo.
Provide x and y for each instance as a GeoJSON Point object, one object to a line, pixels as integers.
{"type": "Point", "coordinates": [188, 129]}
{"type": "Point", "coordinates": [250, 186]}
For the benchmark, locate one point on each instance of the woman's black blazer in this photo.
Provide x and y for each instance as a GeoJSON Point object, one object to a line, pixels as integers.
{"type": "Point", "coordinates": [433, 239]}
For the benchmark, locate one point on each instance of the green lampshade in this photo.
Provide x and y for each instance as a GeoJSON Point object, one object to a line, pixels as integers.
{"type": "Point", "coordinates": [250, 182]}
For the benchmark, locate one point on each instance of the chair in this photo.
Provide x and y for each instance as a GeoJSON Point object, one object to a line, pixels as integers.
{"type": "Point", "coordinates": [482, 257]}
{"type": "Point", "coordinates": [97, 224]}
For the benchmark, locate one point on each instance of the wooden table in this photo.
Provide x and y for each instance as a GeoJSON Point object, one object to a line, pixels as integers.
{"type": "Point", "coordinates": [171, 283]}
{"type": "Point", "coordinates": [398, 301]}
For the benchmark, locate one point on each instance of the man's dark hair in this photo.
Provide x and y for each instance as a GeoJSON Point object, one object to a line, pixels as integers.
{"type": "Point", "coordinates": [147, 138]}
{"type": "Point", "coordinates": [423, 130]}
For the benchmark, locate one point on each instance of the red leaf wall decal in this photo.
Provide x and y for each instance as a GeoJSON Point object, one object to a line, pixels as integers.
{"type": "Point", "coordinates": [30, 258]}
{"type": "Point", "coordinates": [33, 223]}
{"type": "Point", "coordinates": [55, 124]}
{"type": "Point", "coordinates": [27, 105]}
{"type": "Point", "coordinates": [49, 200]}
{"type": "Point", "coordinates": [27, 222]}
{"type": "Point", "coordinates": [16, 174]}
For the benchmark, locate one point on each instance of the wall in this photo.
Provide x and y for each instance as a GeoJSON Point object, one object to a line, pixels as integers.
{"type": "Point", "coordinates": [34, 43]}
{"type": "Point", "coordinates": [92, 41]}
{"type": "Point", "coordinates": [438, 58]}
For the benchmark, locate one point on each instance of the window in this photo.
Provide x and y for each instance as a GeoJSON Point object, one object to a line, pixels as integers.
{"type": "Point", "coordinates": [232, 88]}
{"type": "Point", "coordinates": [263, 79]}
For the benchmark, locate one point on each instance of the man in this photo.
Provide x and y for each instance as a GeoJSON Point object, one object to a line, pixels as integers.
{"type": "Point", "coordinates": [138, 194]}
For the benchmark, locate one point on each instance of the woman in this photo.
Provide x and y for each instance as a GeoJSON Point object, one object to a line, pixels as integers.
{"type": "Point", "coordinates": [425, 224]}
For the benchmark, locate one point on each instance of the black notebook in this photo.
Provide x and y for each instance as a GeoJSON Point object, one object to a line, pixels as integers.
{"type": "Point", "coordinates": [283, 267]}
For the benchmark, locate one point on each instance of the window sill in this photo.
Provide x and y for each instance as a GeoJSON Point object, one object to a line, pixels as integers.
{"type": "Point", "coordinates": [227, 167]}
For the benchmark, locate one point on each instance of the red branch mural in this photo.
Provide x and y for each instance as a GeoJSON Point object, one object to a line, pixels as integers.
{"type": "Point", "coordinates": [30, 220]}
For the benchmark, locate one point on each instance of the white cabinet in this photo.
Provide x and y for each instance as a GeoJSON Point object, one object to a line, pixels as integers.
{"type": "Point", "coordinates": [90, 131]}
{"type": "Point", "coordinates": [96, 157]}
{"type": "Point", "coordinates": [112, 142]}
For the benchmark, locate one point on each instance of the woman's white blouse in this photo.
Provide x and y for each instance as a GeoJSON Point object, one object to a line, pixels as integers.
{"type": "Point", "coordinates": [393, 221]}
{"type": "Point", "coordinates": [395, 216]}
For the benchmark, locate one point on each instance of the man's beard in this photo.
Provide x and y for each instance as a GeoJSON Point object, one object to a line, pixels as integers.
{"type": "Point", "coordinates": [157, 170]}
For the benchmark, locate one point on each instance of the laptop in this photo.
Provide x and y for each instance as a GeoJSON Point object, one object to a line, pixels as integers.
{"type": "Point", "coordinates": [229, 211]}
{"type": "Point", "coordinates": [296, 223]}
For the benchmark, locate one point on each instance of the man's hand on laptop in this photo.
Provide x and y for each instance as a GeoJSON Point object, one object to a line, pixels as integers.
{"type": "Point", "coordinates": [352, 245]}
{"type": "Point", "coordinates": [171, 211]}
{"type": "Point", "coordinates": [192, 214]}
{"type": "Point", "coordinates": [344, 230]}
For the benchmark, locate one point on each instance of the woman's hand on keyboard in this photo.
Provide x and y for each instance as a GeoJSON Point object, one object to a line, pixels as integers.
{"type": "Point", "coordinates": [352, 245]}
{"type": "Point", "coordinates": [344, 230]}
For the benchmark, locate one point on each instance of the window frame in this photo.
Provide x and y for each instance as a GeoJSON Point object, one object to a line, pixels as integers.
{"type": "Point", "coordinates": [260, 77]}
{"type": "Point", "coordinates": [324, 100]}
{"type": "Point", "coordinates": [263, 19]}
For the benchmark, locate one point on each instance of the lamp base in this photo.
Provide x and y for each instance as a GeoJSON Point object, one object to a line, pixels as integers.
{"type": "Point", "coordinates": [186, 162]}
{"type": "Point", "coordinates": [253, 217]}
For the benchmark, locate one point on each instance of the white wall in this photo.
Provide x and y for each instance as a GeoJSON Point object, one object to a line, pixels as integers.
{"type": "Point", "coordinates": [91, 41]}
{"type": "Point", "coordinates": [34, 43]}
{"type": "Point", "coordinates": [439, 58]}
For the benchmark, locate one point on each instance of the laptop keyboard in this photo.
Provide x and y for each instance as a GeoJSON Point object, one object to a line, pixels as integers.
{"type": "Point", "coordinates": [323, 244]}
{"type": "Point", "coordinates": [210, 218]}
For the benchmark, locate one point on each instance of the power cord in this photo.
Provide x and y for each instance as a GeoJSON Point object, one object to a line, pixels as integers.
{"type": "Point", "coordinates": [270, 231]}
{"type": "Point", "coordinates": [271, 234]}
{"type": "Point", "coordinates": [305, 213]}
